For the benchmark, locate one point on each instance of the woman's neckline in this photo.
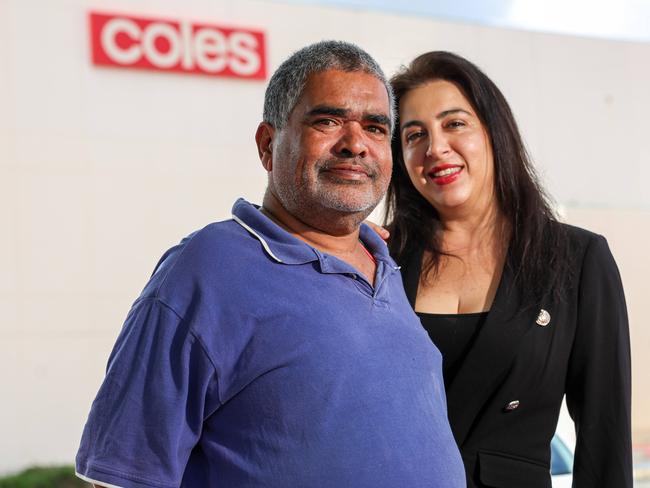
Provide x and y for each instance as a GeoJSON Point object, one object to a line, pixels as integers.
{"type": "Point", "coordinates": [451, 315]}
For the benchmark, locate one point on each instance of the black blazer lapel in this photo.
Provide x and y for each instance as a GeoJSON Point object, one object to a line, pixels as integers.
{"type": "Point", "coordinates": [411, 274]}
{"type": "Point", "coordinates": [495, 347]}
{"type": "Point", "coordinates": [487, 362]}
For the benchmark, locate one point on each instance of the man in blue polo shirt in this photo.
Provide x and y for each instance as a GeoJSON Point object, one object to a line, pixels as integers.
{"type": "Point", "coordinates": [277, 348]}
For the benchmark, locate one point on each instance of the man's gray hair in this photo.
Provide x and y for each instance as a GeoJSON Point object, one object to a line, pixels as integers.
{"type": "Point", "coordinates": [289, 80]}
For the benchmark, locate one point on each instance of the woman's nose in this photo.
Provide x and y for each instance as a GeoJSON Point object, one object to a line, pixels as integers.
{"type": "Point", "coordinates": [438, 146]}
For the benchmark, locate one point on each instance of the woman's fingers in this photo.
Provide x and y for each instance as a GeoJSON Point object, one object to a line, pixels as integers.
{"type": "Point", "coordinates": [383, 233]}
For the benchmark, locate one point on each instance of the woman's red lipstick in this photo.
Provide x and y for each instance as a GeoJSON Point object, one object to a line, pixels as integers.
{"type": "Point", "coordinates": [451, 172]}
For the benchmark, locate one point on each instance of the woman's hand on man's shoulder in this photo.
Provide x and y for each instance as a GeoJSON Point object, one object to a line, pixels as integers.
{"type": "Point", "coordinates": [381, 231]}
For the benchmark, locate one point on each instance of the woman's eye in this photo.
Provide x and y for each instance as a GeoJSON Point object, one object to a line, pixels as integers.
{"type": "Point", "coordinates": [455, 124]}
{"type": "Point", "coordinates": [412, 136]}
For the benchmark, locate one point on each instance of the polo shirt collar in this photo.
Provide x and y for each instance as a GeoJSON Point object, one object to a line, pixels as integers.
{"type": "Point", "coordinates": [376, 245]}
{"type": "Point", "coordinates": [277, 242]}
{"type": "Point", "coordinates": [285, 248]}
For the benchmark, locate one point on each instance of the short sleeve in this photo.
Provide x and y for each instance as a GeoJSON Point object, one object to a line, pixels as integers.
{"type": "Point", "coordinates": [599, 383]}
{"type": "Point", "coordinates": [148, 414]}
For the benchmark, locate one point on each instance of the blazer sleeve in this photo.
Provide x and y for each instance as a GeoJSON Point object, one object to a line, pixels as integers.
{"type": "Point", "coordinates": [598, 384]}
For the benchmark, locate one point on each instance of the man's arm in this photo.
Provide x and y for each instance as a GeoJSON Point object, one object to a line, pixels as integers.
{"type": "Point", "coordinates": [133, 427]}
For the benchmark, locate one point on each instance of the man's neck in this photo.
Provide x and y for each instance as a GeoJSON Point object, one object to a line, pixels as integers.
{"type": "Point", "coordinates": [341, 240]}
{"type": "Point", "coordinates": [338, 235]}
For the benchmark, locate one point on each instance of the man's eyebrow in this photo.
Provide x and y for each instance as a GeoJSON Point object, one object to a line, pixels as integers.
{"type": "Point", "coordinates": [381, 119]}
{"type": "Point", "coordinates": [327, 110]}
{"type": "Point", "coordinates": [376, 118]}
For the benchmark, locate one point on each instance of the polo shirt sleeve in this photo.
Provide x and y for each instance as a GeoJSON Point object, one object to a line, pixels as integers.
{"type": "Point", "coordinates": [159, 387]}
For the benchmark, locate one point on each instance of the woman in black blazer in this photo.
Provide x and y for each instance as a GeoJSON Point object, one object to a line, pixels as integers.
{"type": "Point", "coordinates": [523, 308]}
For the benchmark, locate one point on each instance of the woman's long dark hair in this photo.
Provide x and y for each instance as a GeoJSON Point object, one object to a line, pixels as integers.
{"type": "Point", "coordinates": [538, 248]}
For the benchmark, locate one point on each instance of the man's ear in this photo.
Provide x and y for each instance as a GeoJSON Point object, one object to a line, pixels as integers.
{"type": "Point", "coordinates": [264, 139]}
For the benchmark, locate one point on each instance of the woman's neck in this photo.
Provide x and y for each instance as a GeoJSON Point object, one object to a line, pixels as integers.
{"type": "Point", "coordinates": [465, 233]}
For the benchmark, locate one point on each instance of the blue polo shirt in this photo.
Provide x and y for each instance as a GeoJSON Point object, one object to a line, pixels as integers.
{"type": "Point", "coordinates": [254, 360]}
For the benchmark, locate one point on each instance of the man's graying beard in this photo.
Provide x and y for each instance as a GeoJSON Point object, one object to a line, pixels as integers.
{"type": "Point", "coordinates": [359, 201]}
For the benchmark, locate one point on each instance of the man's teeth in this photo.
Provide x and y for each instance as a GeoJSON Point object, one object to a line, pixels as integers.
{"type": "Point", "coordinates": [446, 172]}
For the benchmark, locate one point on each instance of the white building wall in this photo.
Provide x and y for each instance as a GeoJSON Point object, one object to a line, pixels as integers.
{"type": "Point", "coordinates": [103, 169]}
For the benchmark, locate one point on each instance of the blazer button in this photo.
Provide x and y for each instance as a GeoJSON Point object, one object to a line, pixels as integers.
{"type": "Point", "coordinates": [513, 405]}
{"type": "Point", "coordinates": [543, 318]}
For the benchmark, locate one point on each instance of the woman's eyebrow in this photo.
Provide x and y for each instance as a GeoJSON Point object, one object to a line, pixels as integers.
{"type": "Point", "coordinates": [410, 123]}
{"type": "Point", "coordinates": [441, 115]}
{"type": "Point", "coordinates": [450, 111]}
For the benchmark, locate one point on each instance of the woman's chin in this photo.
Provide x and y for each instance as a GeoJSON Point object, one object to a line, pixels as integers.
{"type": "Point", "coordinates": [448, 203]}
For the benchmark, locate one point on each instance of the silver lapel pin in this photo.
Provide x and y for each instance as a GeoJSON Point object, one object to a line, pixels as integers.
{"type": "Point", "coordinates": [543, 318]}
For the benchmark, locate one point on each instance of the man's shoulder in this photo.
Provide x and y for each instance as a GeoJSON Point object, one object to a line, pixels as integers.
{"type": "Point", "coordinates": [214, 237]}
{"type": "Point", "coordinates": [210, 242]}
{"type": "Point", "coordinates": [199, 257]}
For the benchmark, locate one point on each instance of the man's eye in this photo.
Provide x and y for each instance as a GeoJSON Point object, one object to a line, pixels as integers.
{"type": "Point", "coordinates": [377, 129]}
{"type": "Point", "coordinates": [326, 122]}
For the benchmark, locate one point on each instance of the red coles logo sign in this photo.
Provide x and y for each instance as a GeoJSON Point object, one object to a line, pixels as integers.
{"type": "Point", "coordinates": [180, 46]}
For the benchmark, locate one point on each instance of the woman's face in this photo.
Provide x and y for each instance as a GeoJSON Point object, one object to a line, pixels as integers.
{"type": "Point", "coordinates": [446, 149]}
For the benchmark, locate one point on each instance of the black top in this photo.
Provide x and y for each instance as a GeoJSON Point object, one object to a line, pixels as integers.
{"type": "Point", "coordinates": [453, 335]}
{"type": "Point", "coordinates": [583, 352]}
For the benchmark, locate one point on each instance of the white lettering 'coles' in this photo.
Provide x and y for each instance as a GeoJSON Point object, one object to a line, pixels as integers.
{"type": "Point", "coordinates": [131, 42]}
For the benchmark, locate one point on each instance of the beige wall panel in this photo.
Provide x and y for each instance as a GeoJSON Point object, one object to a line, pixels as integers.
{"type": "Point", "coordinates": [589, 119]}
{"type": "Point", "coordinates": [6, 116]}
{"type": "Point", "coordinates": [53, 385]}
{"type": "Point", "coordinates": [45, 51]}
{"type": "Point", "coordinates": [53, 230]}
{"type": "Point", "coordinates": [9, 269]}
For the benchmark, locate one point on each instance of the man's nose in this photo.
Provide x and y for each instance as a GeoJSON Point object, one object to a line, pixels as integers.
{"type": "Point", "coordinates": [352, 141]}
